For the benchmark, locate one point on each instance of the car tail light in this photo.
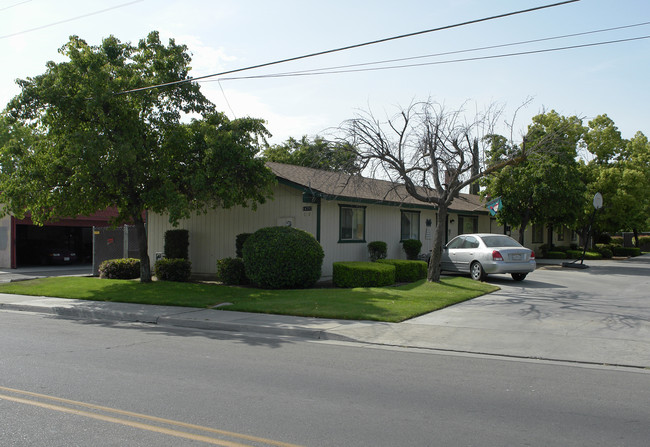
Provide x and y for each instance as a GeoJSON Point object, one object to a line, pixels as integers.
{"type": "Point", "coordinates": [532, 255]}
{"type": "Point", "coordinates": [496, 256]}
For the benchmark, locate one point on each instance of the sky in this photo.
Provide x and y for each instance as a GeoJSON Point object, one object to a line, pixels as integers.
{"type": "Point", "coordinates": [223, 35]}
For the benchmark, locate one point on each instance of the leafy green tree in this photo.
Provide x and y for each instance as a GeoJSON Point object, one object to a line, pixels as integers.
{"type": "Point", "coordinates": [318, 154]}
{"type": "Point", "coordinates": [546, 187]}
{"type": "Point", "coordinates": [623, 181]}
{"type": "Point", "coordinates": [603, 139]}
{"type": "Point", "coordinates": [89, 146]}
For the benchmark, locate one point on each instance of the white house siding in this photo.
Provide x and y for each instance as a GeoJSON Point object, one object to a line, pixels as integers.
{"type": "Point", "coordinates": [212, 235]}
{"type": "Point", "coordinates": [383, 223]}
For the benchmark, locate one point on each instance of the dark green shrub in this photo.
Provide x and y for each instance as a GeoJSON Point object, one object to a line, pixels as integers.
{"type": "Point", "coordinates": [542, 250]}
{"type": "Point", "coordinates": [605, 250]}
{"type": "Point", "coordinates": [377, 250]}
{"type": "Point", "coordinates": [617, 240]}
{"type": "Point", "coordinates": [363, 274]}
{"type": "Point", "coordinates": [626, 251]}
{"type": "Point", "coordinates": [574, 254]}
{"type": "Point", "coordinates": [407, 271]}
{"type": "Point", "coordinates": [412, 248]}
{"type": "Point", "coordinates": [239, 243]}
{"type": "Point", "coordinates": [231, 271]}
{"type": "Point", "coordinates": [593, 255]}
{"type": "Point", "coordinates": [644, 243]}
{"type": "Point", "coordinates": [127, 268]}
{"type": "Point", "coordinates": [282, 258]}
{"type": "Point", "coordinates": [170, 269]}
{"type": "Point", "coordinates": [555, 255]}
{"type": "Point", "coordinates": [177, 243]}
{"type": "Point", "coordinates": [577, 254]}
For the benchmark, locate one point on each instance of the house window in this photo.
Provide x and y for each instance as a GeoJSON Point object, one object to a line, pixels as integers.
{"type": "Point", "coordinates": [538, 234]}
{"type": "Point", "coordinates": [467, 224]}
{"type": "Point", "coordinates": [410, 225]}
{"type": "Point", "coordinates": [352, 223]}
{"type": "Point", "coordinates": [560, 234]}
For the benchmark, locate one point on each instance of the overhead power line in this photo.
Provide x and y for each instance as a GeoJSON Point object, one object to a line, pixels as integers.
{"type": "Point", "coordinates": [101, 11]}
{"type": "Point", "coordinates": [349, 47]}
{"type": "Point", "coordinates": [14, 5]}
{"type": "Point", "coordinates": [349, 69]}
{"type": "Point", "coordinates": [466, 50]}
{"type": "Point", "coordinates": [469, 59]}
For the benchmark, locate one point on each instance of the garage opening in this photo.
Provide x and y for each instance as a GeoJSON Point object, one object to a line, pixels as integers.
{"type": "Point", "coordinates": [53, 245]}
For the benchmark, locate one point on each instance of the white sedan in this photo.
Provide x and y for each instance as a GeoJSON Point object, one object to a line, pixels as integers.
{"type": "Point", "coordinates": [483, 254]}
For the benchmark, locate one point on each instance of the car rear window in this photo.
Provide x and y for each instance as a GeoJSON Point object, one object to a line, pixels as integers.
{"type": "Point", "coordinates": [499, 241]}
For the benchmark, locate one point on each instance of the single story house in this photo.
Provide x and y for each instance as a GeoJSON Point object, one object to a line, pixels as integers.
{"type": "Point", "coordinates": [343, 212]}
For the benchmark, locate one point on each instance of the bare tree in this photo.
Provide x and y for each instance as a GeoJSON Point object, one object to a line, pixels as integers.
{"type": "Point", "coordinates": [428, 150]}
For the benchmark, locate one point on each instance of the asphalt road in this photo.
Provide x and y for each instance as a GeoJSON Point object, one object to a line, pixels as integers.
{"type": "Point", "coordinates": [116, 379]}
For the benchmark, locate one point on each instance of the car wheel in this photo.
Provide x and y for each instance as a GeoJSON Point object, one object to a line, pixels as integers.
{"type": "Point", "coordinates": [476, 271]}
{"type": "Point", "coordinates": [519, 276]}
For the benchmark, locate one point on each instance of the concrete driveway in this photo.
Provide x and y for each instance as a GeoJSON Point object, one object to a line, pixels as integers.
{"type": "Point", "coordinates": [23, 273]}
{"type": "Point", "coordinates": [600, 314]}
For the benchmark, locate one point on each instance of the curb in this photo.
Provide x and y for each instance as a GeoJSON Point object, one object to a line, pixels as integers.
{"type": "Point", "coordinates": [74, 312]}
{"type": "Point", "coordinates": [172, 321]}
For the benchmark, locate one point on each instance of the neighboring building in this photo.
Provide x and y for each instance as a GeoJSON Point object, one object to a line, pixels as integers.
{"type": "Point", "coordinates": [342, 212]}
{"type": "Point", "coordinates": [22, 243]}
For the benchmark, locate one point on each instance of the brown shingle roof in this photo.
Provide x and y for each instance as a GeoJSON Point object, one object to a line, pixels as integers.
{"type": "Point", "coordinates": [341, 186]}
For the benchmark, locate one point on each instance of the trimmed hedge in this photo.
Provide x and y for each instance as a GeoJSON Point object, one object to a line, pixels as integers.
{"type": "Point", "coordinates": [412, 248]}
{"type": "Point", "coordinates": [177, 243]}
{"type": "Point", "coordinates": [555, 255]}
{"type": "Point", "coordinates": [170, 269]}
{"type": "Point", "coordinates": [407, 271]}
{"type": "Point", "coordinates": [626, 251]}
{"type": "Point", "coordinates": [377, 250]}
{"type": "Point", "coordinates": [363, 274]}
{"type": "Point", "coordinates": [282, 258]}
{"type": "Point", "coordinates": [126, 268]}
{"type": "Point", "coordinates": [231, 271]}
{"type": "Point", "coordinates": [577, 254]}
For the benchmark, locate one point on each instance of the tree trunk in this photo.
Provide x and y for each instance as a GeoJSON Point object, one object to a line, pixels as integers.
{"type": "Point", "coordinates": [522, 231]}
{"type": "Point", "coordinates": [433, 273]}
{"type": "Point", "coordinates": [141, 230]}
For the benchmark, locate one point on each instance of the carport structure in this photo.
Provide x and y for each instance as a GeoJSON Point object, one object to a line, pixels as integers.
{"type": "Point", "coordinates": [22, 243]}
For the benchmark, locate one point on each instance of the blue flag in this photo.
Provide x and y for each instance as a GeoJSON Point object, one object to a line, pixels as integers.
{"type": "Point", "coordinates": [494, 206]}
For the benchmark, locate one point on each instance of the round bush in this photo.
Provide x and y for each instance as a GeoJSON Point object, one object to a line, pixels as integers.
{"type": "Point", "coordinates": [412, 248]}
{"type": "Point", "coordinates": [127, 268]}
{"type": "Point", "coordinates": [282, 258]}
{"type": "Point", "coordinates": [377, 250]}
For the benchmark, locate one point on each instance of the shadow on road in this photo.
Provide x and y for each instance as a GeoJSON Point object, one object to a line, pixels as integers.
{"type": "Point", "coordinates": [248, 339]}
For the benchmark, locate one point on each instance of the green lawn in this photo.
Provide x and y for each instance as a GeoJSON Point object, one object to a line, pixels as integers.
{"type": "Point", "coordinates": [391, 304]}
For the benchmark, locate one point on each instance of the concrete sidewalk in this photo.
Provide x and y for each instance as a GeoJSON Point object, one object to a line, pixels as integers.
{"type": "Point", "coordinates": [521, 342]}
{"type": "Point", "coordinates": [556, 314]}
